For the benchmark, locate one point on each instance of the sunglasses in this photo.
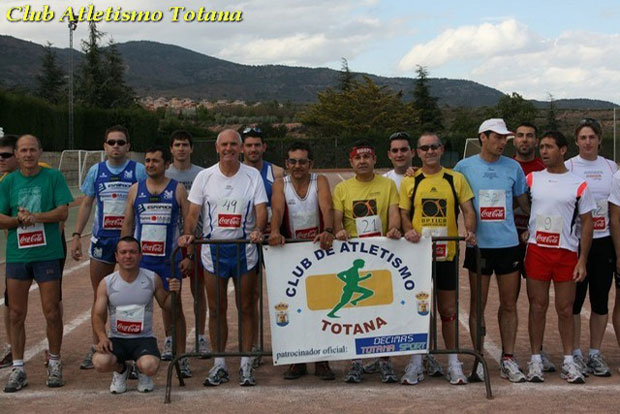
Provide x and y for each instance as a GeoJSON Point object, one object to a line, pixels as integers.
{"type": "Point", "coordinates": [401, 135]}
{"type": "Point", "coordinates": [254, 130]}
{"type": "Point", "coordinates": [591, 122]}
{"type": "Point", "coordinates": [429, 147]}
{"type": "Point", "coordinates": [293, 161]}
{"type": "Point", "coordinates": [397, 150]}
{"type": "Point", "coordinates": [6, 155]}
{"type": "Point", "coordinates": [112, 142]}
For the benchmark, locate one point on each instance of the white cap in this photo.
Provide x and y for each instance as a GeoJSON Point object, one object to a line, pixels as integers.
{"type": "Point", "coordinates": [496, 125]}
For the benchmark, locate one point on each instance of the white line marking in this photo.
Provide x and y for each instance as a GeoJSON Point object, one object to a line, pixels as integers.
{"type": "Point", "coordinates": [340, 176]}
{"type": "Point", "coordinates": [42, 345]}
{"type": "Point", "coordinates": [66, 273]}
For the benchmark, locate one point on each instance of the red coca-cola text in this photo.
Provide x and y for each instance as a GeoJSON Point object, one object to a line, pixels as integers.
{"type": "Point", "coordinates": [129, 327]}
{"type": "Point", "coordinates": [229, 220]}
{"type": "Point", "coordinates": [306, 234]}
{"type": "Point", "coordinates": [153, 248]}
{"type": "Point", "coordinates": [492, 213]}
{"type": "Point", "coordinates": [31, 239]}
{"type": "Point", "coordinates": [113, 222]}
{"type": "Point", "coordinates": [547, 239]}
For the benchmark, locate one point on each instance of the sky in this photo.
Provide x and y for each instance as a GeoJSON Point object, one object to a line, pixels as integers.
{"type": "Point", "coordinates": [569, 49]}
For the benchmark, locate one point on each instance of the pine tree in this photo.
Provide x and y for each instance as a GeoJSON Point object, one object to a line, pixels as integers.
{"type": "Point", "coordinates": [51, 79]}
{"type": "Point", "coordinates": [346, 77]}
{"type": "Point", "coordinates": [429, 114]}
{"type": "Point", "coordinates": [552, 122]}
{"type": "Point", "coordinates": [116, 92]}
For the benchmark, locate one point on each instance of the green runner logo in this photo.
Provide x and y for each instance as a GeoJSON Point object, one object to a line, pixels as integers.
{"type": "Point", "coordinates": [351, 279]}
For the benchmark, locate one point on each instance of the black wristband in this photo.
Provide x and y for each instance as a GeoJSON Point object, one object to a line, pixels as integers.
{"type": "Point", "coordinates": [76, 234]}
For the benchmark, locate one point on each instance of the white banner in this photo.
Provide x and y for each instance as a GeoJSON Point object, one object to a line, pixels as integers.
{"type": "Point", "coordinates": [362, 298]}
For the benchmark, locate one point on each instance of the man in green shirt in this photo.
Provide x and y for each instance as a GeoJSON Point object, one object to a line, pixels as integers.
{"type": "Point", "coordinates": [33, 201]}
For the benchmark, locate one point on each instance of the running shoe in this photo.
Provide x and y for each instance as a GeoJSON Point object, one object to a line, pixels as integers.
{"type": "Point", "coordinates": [455, 374]}
{"type": "Point", "coordinates": [203, 347]}
{"type": "Point", "coordinates": [166, 354]}
{"type": "Point", "coordinates": [87, 362]}
{"type": "Point", "coordinates": [548, 366]}
{"type": "Point", "coordinates": [413, 374]}
{"type": "Point", "coordinates": [184, 368]}
{"type": "Point", "coordinates": [216, 376]}
{"type": "Point", "coordinates": [7, 357]}
{"type": "Point", "coordinates": [371, 367]}
{"type": "Point", "coordinates": [17, 380]}
{"type": "Point", "coordinates": [598, 366]}
{"type": "Point", "coordinates": [535, 371]}
{"type": "Point", "coordinates": [323, 371]}
{"type": "Point", "coordinates": [354, 376]}
{"type": "Point", "coordinates": [581, 365]}
{"type": "Point", "coordinates": [257, 361]}
{"type": "Point", "coordinates": [295, 371]}
{"type": "Point", "coordinates": [119, 381]}
{"type": "Point", "coordinates": [509, 369]}
{"type": "Point", "coordinates": [571, 373]}
{"type": "Point", "coordinates": [386, 372]}
{"type": "Point", "coordinates": [246, 375]}
{"type": "Point", "coordinates": [145, 383]}
{"type": "Point", "coordinates": [54, 375]}
{"type": "Point", "coordinates": [477, 376]}
{"type": "Point", "coordinates": [432, 367]}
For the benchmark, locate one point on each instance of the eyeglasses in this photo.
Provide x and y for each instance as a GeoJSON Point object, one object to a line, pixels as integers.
{"type": "Point", "coordinates": [429, 147]}
{"type": "Point", "coordinates": [253, 130]}
{"type": "Point", "coordinates": [6, 155]}
{"type": "Point", "coordinates": [397, 150]}
{"type": "Point", "coordinates": [301, 162]}
{"type": "Point", "coordinates": [113, 142]}
{"type": "Point", "coordinates": [399, 135]}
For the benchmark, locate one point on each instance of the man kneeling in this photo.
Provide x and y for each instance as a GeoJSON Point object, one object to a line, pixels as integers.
{"type": "Point", "coordinates": [128, 295]}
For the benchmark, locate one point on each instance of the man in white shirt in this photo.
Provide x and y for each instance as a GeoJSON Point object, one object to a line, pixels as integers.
{"type": "Point", "coordinates": [401, 155]}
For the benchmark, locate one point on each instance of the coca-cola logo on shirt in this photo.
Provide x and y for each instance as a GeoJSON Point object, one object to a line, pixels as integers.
{"type": "Point", "coordinates": [229, 220]}
{"type": "Point", "coordinates": [113, 222]}
{"type": "Point", "coordinates": [153, 247]}
{"type": "Point", "coordinates": [547, 239]}
{"type": "Point", "coordinates": [31, 239]}
{"type": "Point", "coordinates": [492, 213]}
{"type": "Point", "coordinates": [306, 234]}
{"type": "Point", "coordinates": [441, 250]}
{"type": "Point", "coordinates": [129, 327]}
{"type": "Point", "coordinates": [599, 223]}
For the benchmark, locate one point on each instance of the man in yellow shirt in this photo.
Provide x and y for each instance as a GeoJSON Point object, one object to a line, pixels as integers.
{"type": "Point", "coordinates": [429, 203]}
{"type": "Point", "coordinates": [366, 206]}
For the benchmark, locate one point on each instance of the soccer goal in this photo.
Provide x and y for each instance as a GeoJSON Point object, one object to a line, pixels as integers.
{"type": "Point", "coordinates": [472, 147]}
{"type": "Point", "coordinates": [75, 163]}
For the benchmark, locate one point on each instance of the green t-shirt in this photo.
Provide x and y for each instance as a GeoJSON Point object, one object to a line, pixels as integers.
{"type": "Point", "coordinates": [39, 193]}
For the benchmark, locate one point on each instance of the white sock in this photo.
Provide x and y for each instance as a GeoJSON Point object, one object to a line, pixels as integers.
{"type": "Point", "coordinates": [536, 358]}
{"type": "Point", "coordinates": [245, 360]}
{"type": "Point", "coordinates": [577, 352]}
{"type": "Point", "coordinates": [220, 362]}
{"type": "Point", "coordinates": [594, 352]}
{"type": "Point", "coordinates": [416, 359]}
{"type": "Point", "coordinates": [19, 364]}
{"type": "Point", "coordinates": [568, 359]}
{"type": "Point", "coordinates": [453, 359]}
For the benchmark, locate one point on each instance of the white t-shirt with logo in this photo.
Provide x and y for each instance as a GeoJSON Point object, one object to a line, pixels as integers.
{"type": "Point", "coordinates": [598, 174]}
{"type": "Point", "coordinates": [554, 200]}
{"type": "Point", "coordinates": [228, 205]}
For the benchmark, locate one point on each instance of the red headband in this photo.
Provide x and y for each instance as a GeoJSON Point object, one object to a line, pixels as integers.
{"type": "Point", "coordinates": [361, 150]}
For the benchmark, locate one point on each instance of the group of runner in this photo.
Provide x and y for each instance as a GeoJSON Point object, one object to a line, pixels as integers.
{"type": "Point", "coordinates": [144, 211]}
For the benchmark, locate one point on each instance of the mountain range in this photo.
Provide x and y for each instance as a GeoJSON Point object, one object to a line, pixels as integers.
{"type": "Point", "coordinates": [156, 69]}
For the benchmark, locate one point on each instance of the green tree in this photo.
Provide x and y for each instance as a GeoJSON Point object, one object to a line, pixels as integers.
{"type": "Point", "coordinates": [346, 77]}
{"type": "Point", "coordinates": [116, 93]}
{"type": "Point", "coordinates": [51, 79]}
{"type": "Point", "coordinates": [552, 122]}
{"type": "Point", "coordinates": [514, 110]}
{"type": "Point", "coordinates": [429, 114]}
{"type": "Point", "coordinates": [361, 110]}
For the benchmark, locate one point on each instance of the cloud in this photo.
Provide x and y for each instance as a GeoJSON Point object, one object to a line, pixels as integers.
{"type": "Point", "coordinates": [470, 42]}
{"type": "Point", "coordinates": [511, 57]}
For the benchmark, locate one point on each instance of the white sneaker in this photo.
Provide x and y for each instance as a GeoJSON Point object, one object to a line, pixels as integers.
{"type": "Point", "coordinates": [581, 365]}
{"type": "Point", "coordinates": [246, 375]}
{"type": "Point", "coordinates": [413, 374]}
{"type": "Point", "coordinates": [535, 371]}
{"type": "Point", "coordinates": [571, 373]}
{"type": "Point", "coordinates": [145, 383]}
{"type": "Point", "coordinates": [455, 374]}
{"type": "Point", "coordinates": [509, 368]}
{"type": "Point", "coordinates": [433, 368]}
{"type": "Point", "coordinates": [166, 353]}
{"type": "Point", "coordinates": [119, 381]}
{"type": "Point", "coordinates": [203, 347]}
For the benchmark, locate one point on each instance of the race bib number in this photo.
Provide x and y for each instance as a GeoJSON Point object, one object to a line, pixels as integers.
{"type": "Point", "coordinates": [548, 230]}
{"type": "Point", "coordinates": [492, 205]}
{"type": "Point", "coordinates": [32, 236]}
{"type": "Point", "coordinates": [153, 240]}
{"type": "Point", "coordinates": [130, 319]}
{"type": "Point", "coordinates": [229, 213]}
{"type": "Point", "coordinates": [113, 214]}
{"type": "Point", "coordinates": [368, 226]}
{"type": "Point", "coordinates": [305, 224]}
{"type": "Point", "coordinates": [441, 247]}
{"type": "Point", "coordinates": [599, 216]}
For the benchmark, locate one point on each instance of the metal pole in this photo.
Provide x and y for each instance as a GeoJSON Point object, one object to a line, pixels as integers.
{"type": "Point", "coordinates": [72, 27]}
{"type": "Point", "coordinates": [615, 134]}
